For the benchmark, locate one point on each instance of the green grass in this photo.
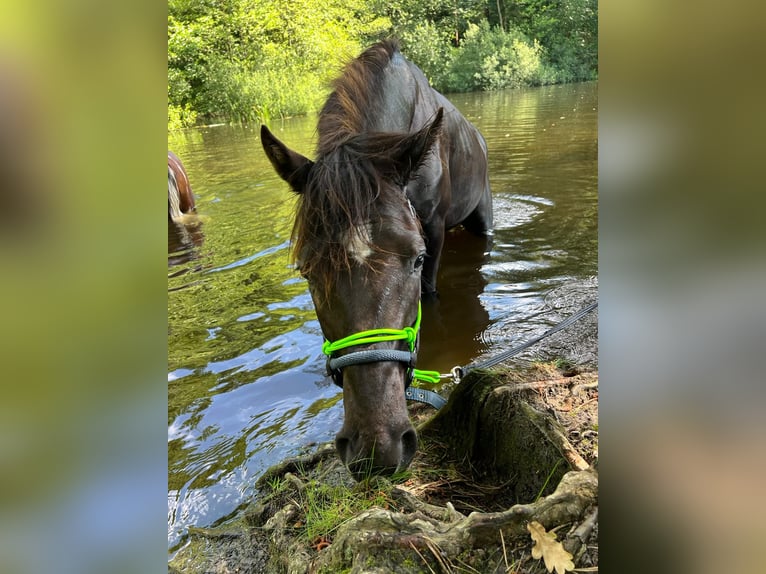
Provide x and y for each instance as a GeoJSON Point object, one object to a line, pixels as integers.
{"type": "Point", "coordinates": [328, 507]}
{"type": "Point", "coordinates": [548, 478]}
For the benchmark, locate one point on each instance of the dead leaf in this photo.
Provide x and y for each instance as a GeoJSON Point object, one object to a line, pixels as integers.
{"type": "Point", "coordinates": [549, 549]}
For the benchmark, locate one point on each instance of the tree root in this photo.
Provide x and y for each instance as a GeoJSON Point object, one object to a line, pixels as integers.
{"type": "Point", "coordinates": [379, 531]}
{"type": "Point", "coordinates": [414, 504]}
{"type": "Point", "coordinates": [554, 435]}
{"type": "Point", "coordinates": [537, 385]}
{"type": "Point", "coordinates": [577, 539]}
{"type": "Point", "coordinates": [296, 464]}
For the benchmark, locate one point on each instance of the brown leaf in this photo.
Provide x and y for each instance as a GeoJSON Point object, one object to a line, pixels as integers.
{"type": "Point", "coordinates": [549, 549]}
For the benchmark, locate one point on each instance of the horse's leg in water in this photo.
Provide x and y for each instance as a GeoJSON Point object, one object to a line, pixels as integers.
{"type": "Point", "coordinates": [434, 234]}
{"type": "Point", "coordinates": [480, 221]}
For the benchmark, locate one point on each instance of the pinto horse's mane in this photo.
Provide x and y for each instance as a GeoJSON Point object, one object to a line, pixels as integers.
{"type": "Point", "coordinates": [345, 181]}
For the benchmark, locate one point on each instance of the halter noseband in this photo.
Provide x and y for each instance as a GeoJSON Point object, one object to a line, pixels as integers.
{"type": "Point", "coordinates": [335, 365]}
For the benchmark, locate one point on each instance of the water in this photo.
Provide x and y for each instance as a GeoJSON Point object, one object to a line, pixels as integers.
{"type": "Point", "coordinates": [246, 384]}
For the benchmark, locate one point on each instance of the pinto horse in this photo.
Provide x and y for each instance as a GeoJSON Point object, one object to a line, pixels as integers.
{"type": "Point", "coordinates": [396, 166]}
{"type": "Point", "coordinates": [180, 196]}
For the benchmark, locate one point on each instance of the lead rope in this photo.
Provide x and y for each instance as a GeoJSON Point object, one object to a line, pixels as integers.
{"type": "Point", "coordinates": [457, 372]}
{"type": "Point", "coordinates": [410, 334]}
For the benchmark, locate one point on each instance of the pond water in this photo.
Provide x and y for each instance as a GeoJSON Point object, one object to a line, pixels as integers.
{"type": "Point", "coordinates": [246, 383]}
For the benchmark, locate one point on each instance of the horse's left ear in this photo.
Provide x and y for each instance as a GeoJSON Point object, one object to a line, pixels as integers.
{"type": "Point", "coordinates": [290, 165]}
{"type": "Point", "coordinates": [413, 150]}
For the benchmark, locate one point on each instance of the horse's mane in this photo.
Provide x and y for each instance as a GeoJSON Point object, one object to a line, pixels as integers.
{"type": "Point", "coordinates": [346, 179]}
{"type": "Point", "coordinates": [352, 105]}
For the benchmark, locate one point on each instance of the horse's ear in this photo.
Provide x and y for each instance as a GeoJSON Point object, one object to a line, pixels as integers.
{"type": "Point", "coordinates": [411, 154]}
{"type": "Point", "coordinates": [290, 165]}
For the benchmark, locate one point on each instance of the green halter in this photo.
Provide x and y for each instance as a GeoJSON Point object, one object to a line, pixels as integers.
{"type": "Point", "coordinates": [410, 334]}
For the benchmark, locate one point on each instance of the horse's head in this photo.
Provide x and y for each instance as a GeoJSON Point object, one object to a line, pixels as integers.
{"type": "Point", "coordinates": [358, 242]}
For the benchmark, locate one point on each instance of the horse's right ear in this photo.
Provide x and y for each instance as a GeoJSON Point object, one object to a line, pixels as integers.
{"type": "Point", "coordinates": [410, 153]}
{"type": "Point", "coordinates": [291, 166]}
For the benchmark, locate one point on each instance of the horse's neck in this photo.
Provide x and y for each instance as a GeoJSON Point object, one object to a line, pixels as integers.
{"type": "Point", "coordinates": [398, 98]}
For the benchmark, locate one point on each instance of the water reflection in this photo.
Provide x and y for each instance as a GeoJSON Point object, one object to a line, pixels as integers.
{"type": "Point", "coordinates": [184, 241]}
{"type": "Point", "coordinates": [457, 316]}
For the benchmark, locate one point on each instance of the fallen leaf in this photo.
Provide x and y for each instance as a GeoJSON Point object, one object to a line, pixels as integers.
{"type": "Point", "coordinates": [549, 549]}
{"type": "Point", "coordinates": [320, 543]}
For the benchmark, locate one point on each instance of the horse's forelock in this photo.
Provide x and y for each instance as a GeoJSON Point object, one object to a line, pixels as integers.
{"type": "Point", "coordinates": [339, 201]}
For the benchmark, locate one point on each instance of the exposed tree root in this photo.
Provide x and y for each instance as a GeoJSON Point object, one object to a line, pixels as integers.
{"type": "Point", "coordinates": [378, 531]}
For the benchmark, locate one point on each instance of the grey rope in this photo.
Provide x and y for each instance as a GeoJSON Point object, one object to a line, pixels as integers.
{"type": "Point", "coordinates": [370, 356]}
{"type": "Point", "coordinates": [461, 371]}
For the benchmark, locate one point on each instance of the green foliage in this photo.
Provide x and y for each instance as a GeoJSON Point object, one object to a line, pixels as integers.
{"type": "Point", "coordinates": [491, 59]}
{"type": "Point", "coordinates": [429, 47]}
{"type": "Point", "coordinates": [247, 60]}
{"type": "Point", "coordinates": [181, 116]}
{"type": "Point", "coordinates": [567, 28]}
{"type": "Point", "coordinates": [244, 60]}
{"type": "Point", "coordinates": [450, 17]}
{"type": "Point", "coordinates": [500, 43]}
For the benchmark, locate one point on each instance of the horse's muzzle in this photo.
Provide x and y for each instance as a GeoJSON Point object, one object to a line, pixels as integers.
{"type": "Point", "coordinates": [383, 454]}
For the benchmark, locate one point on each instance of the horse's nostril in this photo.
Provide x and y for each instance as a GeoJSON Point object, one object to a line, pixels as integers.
{"type": "Point", "coordinates": [409, 446]}
{"type": "Point", "coordinates": [409, 440]}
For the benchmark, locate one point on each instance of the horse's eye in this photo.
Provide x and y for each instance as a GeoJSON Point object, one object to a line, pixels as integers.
{"type": "Point", "coordinates": [419, 261]}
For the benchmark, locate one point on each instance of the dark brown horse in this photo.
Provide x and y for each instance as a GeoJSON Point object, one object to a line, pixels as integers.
{"type": "Point", "coordinates": [397, 165]}
{"type": "Point", "coordinates": [180, 196]}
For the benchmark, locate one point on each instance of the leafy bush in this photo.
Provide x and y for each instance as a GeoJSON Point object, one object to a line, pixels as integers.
{"type": "Point", "coordinates": [429, 48]}
{"type": "Point", "coordinates": [181, 117]}
{"type": "Point", "coordinates": [490, 59]}
{"type": "Point", "coordinates": [571, 64]}
{"type": "Point", "coordinates": [238, 60]}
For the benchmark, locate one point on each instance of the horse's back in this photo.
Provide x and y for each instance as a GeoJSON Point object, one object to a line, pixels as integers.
{"type": "Point", "coordinates": [463, 153]}
{"type": "Point", "coordinates": [470, 193]}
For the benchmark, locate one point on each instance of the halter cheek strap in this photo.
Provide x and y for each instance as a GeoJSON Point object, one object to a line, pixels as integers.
{"type": "Point", "coordinates": [335, 365]}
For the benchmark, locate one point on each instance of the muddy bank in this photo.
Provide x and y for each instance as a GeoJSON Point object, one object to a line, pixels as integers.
{"type": "Point", "coordinates": [516, 448]}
